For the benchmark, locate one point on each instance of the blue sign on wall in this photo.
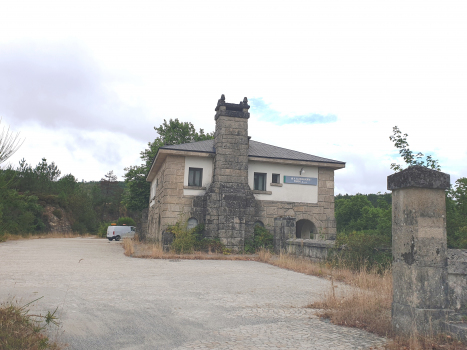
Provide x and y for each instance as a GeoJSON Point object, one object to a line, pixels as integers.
{"type": "Point", "coordinates": [301, 180]}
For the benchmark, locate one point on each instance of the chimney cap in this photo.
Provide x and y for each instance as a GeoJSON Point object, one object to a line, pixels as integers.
{"type": "Point", "coordinates": [232, 106]}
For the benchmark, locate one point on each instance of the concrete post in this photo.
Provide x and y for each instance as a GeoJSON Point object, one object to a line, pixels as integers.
{"type": "Point", "coordinates": [284, 229]}
{"type": "Point", "coordinates": [419, 248]}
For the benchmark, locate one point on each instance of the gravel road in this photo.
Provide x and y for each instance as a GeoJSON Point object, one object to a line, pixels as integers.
{"type": "Point", "coordinates": [106, 300]}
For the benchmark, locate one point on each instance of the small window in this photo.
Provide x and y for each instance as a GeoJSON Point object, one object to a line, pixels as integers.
{"type": "Point", "coordinates": [276, 178]}
{"type": "Point", "coordinates": [259, 223]}
{"type": "Point", "coordinates": [195, 177]}
{"type": "Point", "coordinates": [192, 223]}
{"type": "Point", "coordinates": [260, 182]}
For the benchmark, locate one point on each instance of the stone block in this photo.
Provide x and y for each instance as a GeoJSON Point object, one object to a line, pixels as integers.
{"type": "Point", "coordinates": [420, 177]}
{"type": "Point", "coordinates": [271, 211]}
{"type": "Point", "coordinates": [409, 321]}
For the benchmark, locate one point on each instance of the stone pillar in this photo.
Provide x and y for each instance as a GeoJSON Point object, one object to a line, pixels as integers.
{"type": "Point", "coordinates": [284, 229]}
{"type": "Point", "coordinates": [419, 248]}
{"type": "Point", "coordinates": [230, 202]}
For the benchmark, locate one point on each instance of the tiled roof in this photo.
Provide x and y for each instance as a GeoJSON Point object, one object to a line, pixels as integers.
{"type": "Point", "coordinates": [256, 149]}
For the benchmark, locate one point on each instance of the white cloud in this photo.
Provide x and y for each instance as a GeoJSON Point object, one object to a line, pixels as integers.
{"type": "Point", "coordinates": [101, 68]}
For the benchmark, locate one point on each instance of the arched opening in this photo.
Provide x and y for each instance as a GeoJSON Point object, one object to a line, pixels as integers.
{"type": "Point", "coordinates": [258, 223]}
{"type": "Point", "coordinates": [305, 229]}
{"type": "Point", "coordinates": [192, 223]}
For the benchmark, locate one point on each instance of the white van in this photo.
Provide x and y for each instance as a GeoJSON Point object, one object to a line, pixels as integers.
{"type": "Point", "coordinates": [119, 232]}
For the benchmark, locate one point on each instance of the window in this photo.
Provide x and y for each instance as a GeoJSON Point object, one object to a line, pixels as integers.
{"type": "Point", "coordinates": [276, 178]}
{"type": "Point", "coordinates": [192, 223]}
{"type": "Point", "coordinates": [195, 177]}
{"type": "Point", "coordinates": [260, 182]}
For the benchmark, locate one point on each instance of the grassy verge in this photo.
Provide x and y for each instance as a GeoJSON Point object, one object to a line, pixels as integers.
{"type": "Point", "coordinates": [19, 330]}
{"type": "Point", "coordinates": [137, 249]}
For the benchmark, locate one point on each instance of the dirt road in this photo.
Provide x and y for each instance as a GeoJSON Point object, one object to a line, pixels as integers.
{"type": "Point", "coordinates": [109, 301]}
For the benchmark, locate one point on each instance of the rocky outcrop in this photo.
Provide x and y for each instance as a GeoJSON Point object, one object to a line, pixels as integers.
{"type": "Point", "coordinates": [56, 219]}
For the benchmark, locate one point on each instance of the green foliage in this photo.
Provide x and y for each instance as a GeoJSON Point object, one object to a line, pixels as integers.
{"type": "Point", "coordinates": [411, 159]}
{"type": "Point", "coordinates": [170, 133]}
{"type": "Point", "coordinates": [102, 230]}
{"type": "Point", "coordinates": [357, 213]}
{"type": "Point", "coordinates": [262, 239]}
{"type": "Point", "coordinates": [126, 221]}
{"type": "Point", "coordinates": [184, 241]}
{"type": "Point", "coordinates": [26, 190]}
{"type": "Point", "coordinates": [456, 215]}
{"type": "Point", "coordinates": [357, 250]}
{"type": "Point", "coordinates": [187, 241]}
{"type": "Point", "coordinates": [57, 213]}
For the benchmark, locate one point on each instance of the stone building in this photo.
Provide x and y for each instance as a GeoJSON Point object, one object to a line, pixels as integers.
{"type": "Point", "coordinates": [232, 183]}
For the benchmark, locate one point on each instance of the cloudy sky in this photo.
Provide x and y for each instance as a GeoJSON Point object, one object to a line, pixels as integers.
{"type": "Point", "coordinates": [85, 82]}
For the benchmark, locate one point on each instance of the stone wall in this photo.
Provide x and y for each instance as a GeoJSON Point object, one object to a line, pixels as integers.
{"type": "Point", "coordinates": [457, 279]}
{"type": "Point", "coordinates": [169, 203]}
{"type": "Point", "coordinates": [314, 249]}
{"type": "Point", "coordinates": [229, 202]}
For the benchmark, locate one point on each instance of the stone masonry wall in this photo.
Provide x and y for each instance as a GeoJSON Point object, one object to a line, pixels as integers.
{"type": "Point", "coordinates": [170, 203]}
{"type": "Point", "coordinates": [229, 201]}
{"type": "Point", "coordinates": [457, 279]}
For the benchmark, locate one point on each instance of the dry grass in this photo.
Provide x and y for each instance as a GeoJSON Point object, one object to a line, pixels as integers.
{"type": "Point", "coordinates": [20, 330]}
{"type": "Point", "coordinates": [367, 307]}
{"type": "Point", "coordinates": [128, 246]}
{"type": "Point", "coordinates": [137, 249]}
{"type": "Point", "coordinates": [9, 237]}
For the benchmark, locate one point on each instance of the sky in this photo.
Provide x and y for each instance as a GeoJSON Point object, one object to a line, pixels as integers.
{"type": "Point", "coordinates": [86, 82]}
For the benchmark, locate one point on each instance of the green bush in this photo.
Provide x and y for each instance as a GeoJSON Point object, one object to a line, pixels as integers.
{"type": "Point", "coordinates": [358, 250]}
{"type": "Point", "coordinates": [184, 241]}
{"type": "Point", "coordinates": [102, 230]}
{"type": "Point", "coordinates": [126, 221]}
{"type": "Point", "coordinates": [262, 239]}
{"type": "Point", "coordinates": [57, 213]}
{"type": "Point", "coordinates": [188, 241]}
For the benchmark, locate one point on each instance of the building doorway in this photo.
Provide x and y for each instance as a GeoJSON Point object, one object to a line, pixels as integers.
{"type": "Point", "coordinates": [305, 229]}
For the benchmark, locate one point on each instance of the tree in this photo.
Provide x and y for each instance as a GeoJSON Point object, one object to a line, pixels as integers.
{"type": "Point", "coordinates": [9, 143]}
{"type": "Point", "coordinates": [111, 194]}
{"type": "Point", "coordinates": [172, 132]}
{"type": "Point", "coordinates": [411, 159]}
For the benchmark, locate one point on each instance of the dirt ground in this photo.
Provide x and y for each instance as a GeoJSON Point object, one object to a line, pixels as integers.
{"type": "Point", "coordinates": [106, 300]}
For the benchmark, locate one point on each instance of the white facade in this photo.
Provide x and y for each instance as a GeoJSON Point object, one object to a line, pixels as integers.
{"type": "Point", "coordinates": [198, 162]}
{"type": "Point", "coordinates": [287, 192]}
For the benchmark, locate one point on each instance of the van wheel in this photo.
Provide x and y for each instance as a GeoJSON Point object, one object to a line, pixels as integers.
{"type": "Point", "coordinates": [117, 238]}
{"type": "Point", "coordinates": [110, 239]}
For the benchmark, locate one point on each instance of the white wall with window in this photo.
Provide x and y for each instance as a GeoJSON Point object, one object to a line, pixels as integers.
{"type": "Point", "coordinates": [274, 187]}
{"type": "Point", "coordinates": [152, 195]}
{"type": "Point", "coordinates": [199, 178]}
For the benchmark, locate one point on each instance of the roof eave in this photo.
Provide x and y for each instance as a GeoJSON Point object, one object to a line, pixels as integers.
{"type": "Point", "coordinates": [162, 154]}
{"type": "Point", "coordinates": [321, 164]}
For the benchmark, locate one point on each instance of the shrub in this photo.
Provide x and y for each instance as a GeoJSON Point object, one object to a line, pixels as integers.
{"type": "Point", "coordinates": [262, 239]}
{"type": "Point", "coordinates": [187, 241]}
{"type": "Point", "coordinates": [184, 241]}
{"type": "Point", "coordinates": [102, 230]}
{"type": "Point", "coordinates": [57, 213]}
{"type": "Point", "coordinates": [126, 221]}
{"type": "Point", "coordinates": [359, 250]}
{"type": "Point", "coordinates": [19, 330]}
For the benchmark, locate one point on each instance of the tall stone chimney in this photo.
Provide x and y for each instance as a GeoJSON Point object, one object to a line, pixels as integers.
{"type": "Point", "coordinates": [229, 200]}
